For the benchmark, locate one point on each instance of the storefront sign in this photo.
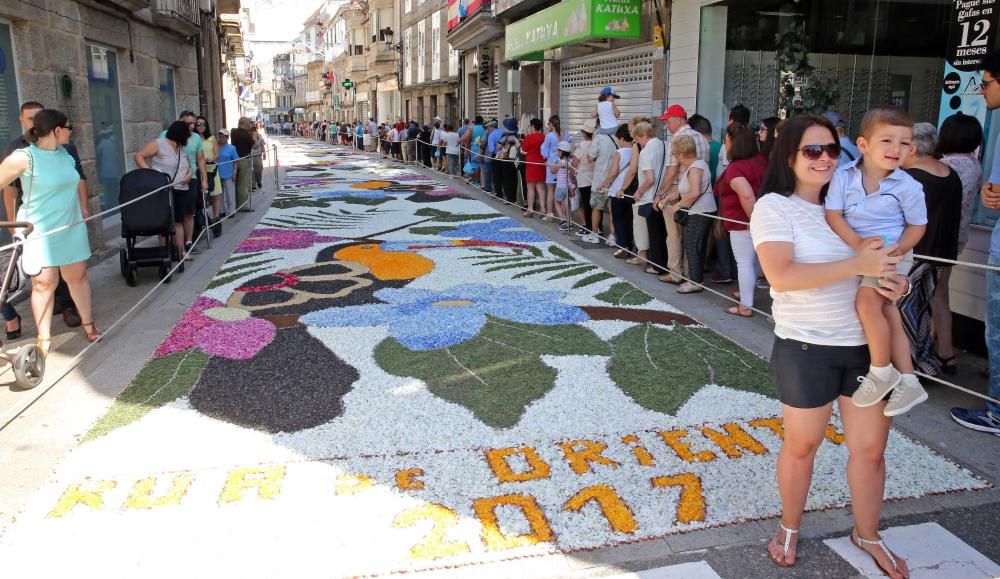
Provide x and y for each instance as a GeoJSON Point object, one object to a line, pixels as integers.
{"type": "Point", "coordinates": [971, 35]}
{"type": "Point", "coordinates": [572, 21]}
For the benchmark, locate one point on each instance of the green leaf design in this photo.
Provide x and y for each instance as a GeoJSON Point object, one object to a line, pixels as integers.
{"type": "Point", "coordinates": [592, 279]}
{"type": "Point", "coordinates": [624, 294]}
{"type": "Point", "coordinates": [242, 256]}
{"type": "Point", "coordinates": [560, 252]}
{"type": "Point", "coordinates": [161, 381]}
{"type": "Point", "coordinates": [574, 271]}
{"type": "Point", "coordinates": [243, 266]}
{"type": "Point", "coordinates": [560, 267]}
{"type": "Point", "coordinates": [497, 374]}
{"type": "Point", "coordinates": [662, 368]}
{"type": "Point", "coordinates": [435, 230]}
{"type": "Point", "coordinates": [530, 263]}
{"type": "Point", "coordinates": [449, 217]}
{"type": "Point", "coordinates": [292, 202]}
{"type": "Point", "coordinates": [221, 281]}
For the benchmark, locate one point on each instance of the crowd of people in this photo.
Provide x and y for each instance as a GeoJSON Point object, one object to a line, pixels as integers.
{"type": "Point", "coordinates": [44, 184]}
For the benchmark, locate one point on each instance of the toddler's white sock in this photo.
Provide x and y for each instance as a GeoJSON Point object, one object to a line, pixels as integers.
{"type": "Point", "coordinates": [883, 373]}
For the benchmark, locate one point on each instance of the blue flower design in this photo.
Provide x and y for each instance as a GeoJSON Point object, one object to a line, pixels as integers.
{"type": "Point", "coordinates": [504, 229]}
{"type": "Point", "coordinates": [427, 320]}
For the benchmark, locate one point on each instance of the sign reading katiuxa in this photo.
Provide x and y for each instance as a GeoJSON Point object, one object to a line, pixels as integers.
{"type": "Point", "coordinates": [572, 21]}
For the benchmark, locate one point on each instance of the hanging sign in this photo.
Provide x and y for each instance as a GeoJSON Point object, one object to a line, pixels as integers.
{"type": "Point", "coordinates": [572, 21]}
{"type": "Point", "coordinates": [972, 32]}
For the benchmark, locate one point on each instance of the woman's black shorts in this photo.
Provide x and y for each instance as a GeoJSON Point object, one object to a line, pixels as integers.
{"type": "Point", "coordinates": [184, 200]}
{"type": "Point", "coordinates": [397, 148]}
{"type": "Point", "coordinates": [811, 376]}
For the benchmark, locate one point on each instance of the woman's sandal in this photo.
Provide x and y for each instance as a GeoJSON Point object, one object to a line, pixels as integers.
{"type": "Point", "coordinates": [785, 546]}
{"type": "Point", "coordinates": [947, 366]}
{"type": "Point", "coordinates": [860, 543]}
{"type": "Point", "coordinates": [738, 311]}
{"type": "Point", "coordinates": [44, 346]}
{"type": "Point", "coordinates": [92, 334]}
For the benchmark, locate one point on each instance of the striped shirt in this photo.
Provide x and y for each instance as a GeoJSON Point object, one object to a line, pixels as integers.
{"type": "Point", "coordinates": [702, 150]}
{"type": "Point", "coordinates": [826, 315]}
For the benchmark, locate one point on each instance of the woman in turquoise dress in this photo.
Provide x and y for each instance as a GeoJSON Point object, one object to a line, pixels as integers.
{"type": "Point", "coordinates": [49, 181]}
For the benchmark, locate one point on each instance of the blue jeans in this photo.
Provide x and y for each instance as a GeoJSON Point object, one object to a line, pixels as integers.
{"type": "Point", "coordinates": [993, 333]}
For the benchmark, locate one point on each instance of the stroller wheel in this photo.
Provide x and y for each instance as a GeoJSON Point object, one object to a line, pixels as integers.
{"type": "Point", "coordinates": [29, 367]}
{"type": "Point", "coordinates": [123, 261]}
{"type": "Point", "coordinates": [130, 277]}
{"type": "Point", "coordinates": [165, 273]}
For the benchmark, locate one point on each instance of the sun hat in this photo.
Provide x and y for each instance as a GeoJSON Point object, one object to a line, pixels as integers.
{"type": "Point", "coordinates": [589, 126]}
{"type": "Point", "coordinates": [510, 125]}
{"type": "Point", "coordinates": [608, 91]}
{"type": "Point", "coordinates": [564, 146]}
{"type": "Point", "coordinates": [224, 132]}
{"type": "Point", "coordinates": [492, 123]}
{"type": "Point", "coordinates": [672, 112]}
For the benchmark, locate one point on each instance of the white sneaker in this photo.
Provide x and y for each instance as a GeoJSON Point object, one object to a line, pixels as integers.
{"type": "Point", "coordinates": [873, 389]}
{"type": "Point", "coordinates": [591, 238]}
{"type": "Point", "coordinates": [611, 240]}
{"type": "Point", "coordinates": [907, 394]}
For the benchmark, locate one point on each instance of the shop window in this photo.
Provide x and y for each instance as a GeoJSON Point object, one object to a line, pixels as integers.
{"type": "Point", "coordinates": [10, 126]}
{"type": "Point", "coordinates": [168, 98]}
{"type": "Point", "coordinates": [106, 114]}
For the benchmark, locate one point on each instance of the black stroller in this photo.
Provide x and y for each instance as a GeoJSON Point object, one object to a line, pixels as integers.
{"type": "Point", "coordinates": [153, 215]}
{"type": "Point", "coordinates": [28, 363]}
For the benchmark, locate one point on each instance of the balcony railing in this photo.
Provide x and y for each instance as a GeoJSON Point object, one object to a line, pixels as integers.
{"type": "Point", "coordinates": [181, 16]}
{"type": "Point", "coordinates": [314, 96]}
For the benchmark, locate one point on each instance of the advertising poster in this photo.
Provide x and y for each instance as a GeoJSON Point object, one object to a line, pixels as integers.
{"type": "Point", "coordinates": [971, 35]}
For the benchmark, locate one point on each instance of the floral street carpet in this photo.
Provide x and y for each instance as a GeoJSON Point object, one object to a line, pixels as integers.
{"type": "Point", "coordinates": [388, 375]}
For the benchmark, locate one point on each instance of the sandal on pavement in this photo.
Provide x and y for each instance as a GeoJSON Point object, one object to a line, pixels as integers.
{"type": "Point", "coordinates": [786, 545]}
{"type": "Point", "coordinates": [669, 278]}
{"type": "Point", "coordinates": [948, 365]}
{"type": "Point", "coordinates": [652, 271]}
{"type": "Point", "coordinates": [91, 332]}
{"type": "Point", "coordinates": [860, 543]}
{"type": "Point", "coordinates": [738, 311]}
{"type": "Point", "coordinates": [621, 254]}
{"type": "Point", "coordinates": [634, 261]}
{"type": "Point", "coordinates": [44, 345]}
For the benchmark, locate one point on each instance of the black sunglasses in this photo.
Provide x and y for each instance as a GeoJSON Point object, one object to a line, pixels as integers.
{"type": "Point", "coordinates": [201, 124]}
{"type": "Point", "coordinates": [67, 126]}
{"type": "Point", "coordinates": [813, 152]}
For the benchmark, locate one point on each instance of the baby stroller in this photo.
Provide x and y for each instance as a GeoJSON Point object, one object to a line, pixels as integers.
{"type": "Point", "coordinates": [28, 363]}
{"type": "Point", "coordinates": [153, 215]}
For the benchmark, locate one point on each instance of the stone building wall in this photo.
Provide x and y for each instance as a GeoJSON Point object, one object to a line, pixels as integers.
{"type": "Point", "coordinates": [49, 44]}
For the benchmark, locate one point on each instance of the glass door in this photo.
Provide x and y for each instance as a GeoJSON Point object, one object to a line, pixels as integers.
{"type": "Point", "coordinates": [106, 112]}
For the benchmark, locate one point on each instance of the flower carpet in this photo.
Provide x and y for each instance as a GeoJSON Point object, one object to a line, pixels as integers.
{"type": "Point", "coordinates": [388, 375]}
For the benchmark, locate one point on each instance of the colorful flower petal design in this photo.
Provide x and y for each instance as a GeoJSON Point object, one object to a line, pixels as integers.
{"type": "Point", "coordinates": [263, 239]}
{"type": "Point", "coordinates": [427, 320]}
{"type": "Point", "coordinates": [218, 330]}
{"type": "Point", "coordinates": [504, 229]}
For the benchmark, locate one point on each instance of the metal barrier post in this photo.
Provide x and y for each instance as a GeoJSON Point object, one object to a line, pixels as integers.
{"type": "Point", "coordinates": [277, 167]}
{"type": "Point", "coordinates": [253, 182]}
{"type": "Point", "coordinates": [204, 216]}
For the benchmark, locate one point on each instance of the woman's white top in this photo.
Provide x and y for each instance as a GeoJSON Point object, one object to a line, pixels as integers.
{"type": "Point", "coordinates": [705, 203]}
{"type": "Point", "coordinates": [606, 114]}
{"type": "Point", "coordinates": [451, 142]}
{"type": "Point", "coordinates": [826, 315]}
{"type": "Point", "coordinates": [626, 158]}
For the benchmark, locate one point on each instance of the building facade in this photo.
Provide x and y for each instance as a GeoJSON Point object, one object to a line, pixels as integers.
{"type": "Point", "coordinates": [121, 70]}
{"type": "Point", "coordinates": [430, 82]}
{"type": "Point", "coordinates": [383, 60]}
{"type": "Point", "coordinates": [349, 64]}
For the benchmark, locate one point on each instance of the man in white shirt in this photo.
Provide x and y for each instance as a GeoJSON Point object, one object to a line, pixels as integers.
{"type": "Point", "coordinates": [601, 151]}
{"type": "Point", "coordinates": [676, 118]}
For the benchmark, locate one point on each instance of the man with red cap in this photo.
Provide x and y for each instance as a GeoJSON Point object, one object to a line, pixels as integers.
{"type": "Point", "coordinates": [676, 119]}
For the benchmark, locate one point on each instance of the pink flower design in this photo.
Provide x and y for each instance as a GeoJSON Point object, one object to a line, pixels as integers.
{"type": "Point", "coordinates": [218, 330]}
{"type": "Point", "coordinates": [263, 239]}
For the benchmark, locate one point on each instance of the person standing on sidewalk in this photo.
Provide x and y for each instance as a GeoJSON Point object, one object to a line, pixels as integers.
{"type": "Point", "coordinates": [13, 198]}
{"type": "Point", "coordinates": [241, 138]}
{"type": "Point", "coordinates": [988, 419]}
{"type": "Point", "coordinates": [819, 347]}
{"type": "Point", "coordinates": [676, 119]}
{"type": "Point", "coordinates": [199, 177]}
{"type": "Point", "coordinates": [50, 182]}
{"type": "Point", "coordinates": [227, 169]}
{"type": "Point", "coordinates": [259, 151]}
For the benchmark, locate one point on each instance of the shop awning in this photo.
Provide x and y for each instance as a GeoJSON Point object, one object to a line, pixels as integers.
{"type": "Point", "coordinates": [570, 22]}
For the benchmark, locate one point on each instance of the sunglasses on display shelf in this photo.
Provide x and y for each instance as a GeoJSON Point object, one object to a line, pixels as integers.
{"type": "Point", "coordinates": [813, 152]}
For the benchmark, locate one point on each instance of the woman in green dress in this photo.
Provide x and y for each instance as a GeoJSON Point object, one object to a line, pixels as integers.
{"type": "Point", "coordinates": [49, 181]}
